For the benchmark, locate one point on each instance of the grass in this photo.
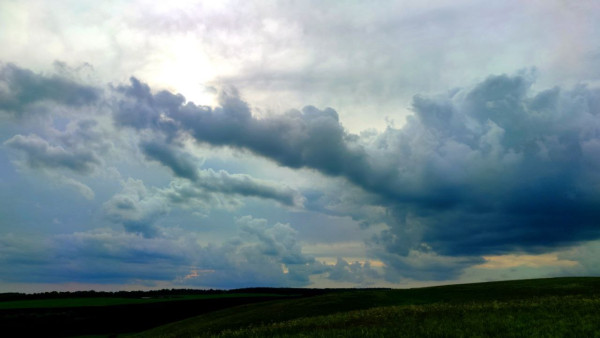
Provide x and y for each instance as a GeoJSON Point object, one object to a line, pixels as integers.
{"type": "Point", "coordinates": [542, 317]}
{"type": "Point", "coordinates": [541, 307]}
{"type": "Point", "coordinates": [108, 301]}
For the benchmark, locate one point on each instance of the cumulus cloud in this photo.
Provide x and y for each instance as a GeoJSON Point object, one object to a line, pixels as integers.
{"type": "Point", "coordinates": [355, 272]}
{"type": "Point", "coordinates": [86, 134]}
{"type": "Point", "coordinates": [175, 160]}
{"type": "Point", "coordinates": [487, 169]}
{"type": "Point", "coordinates": [277, 240]}
{"type": "Point", "coordinates": [261, 254]}
{"type": "Point", "coordinates": [138, 207]}
{"type": "Point", "coordinates": [308, 138]}
{"type": "Point", "coordinates": [21, 89]}
{"type": "Point", "coordinates": [40, 154]}
{"type": "Point", "coordinates": [203, 182]}
{"type": "Point", "coordinates": [222, 189]}
{"type": "Point", "coordinates": [245, 185]}
{"type": "Point", "coordinates": [482, 170]}
{"type": "Point", "coordinates": [83, 189]}
{"type": "Point", "coordinates": [65, 150]}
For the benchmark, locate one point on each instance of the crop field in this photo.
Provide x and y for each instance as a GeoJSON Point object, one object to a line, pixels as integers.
{"type": "Point", "coordinates": [554, 307]}
{"type": "Point", "coordinates": [530, 308]}
{"type": "Point", "coordinates": [543, 317]}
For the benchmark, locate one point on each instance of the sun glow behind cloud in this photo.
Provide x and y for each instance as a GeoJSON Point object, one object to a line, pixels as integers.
{"type": "Point", "coordinates": [184, 68]}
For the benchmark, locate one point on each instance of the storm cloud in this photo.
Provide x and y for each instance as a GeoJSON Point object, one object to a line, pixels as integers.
{"type": "Point", "coordinates": [253, 257]}
{"type": "Point", "coordinates": [488, 169]}
{"type": "Point", "coordinates": [485, 169]}
{"type": "Point", "coordinates": [308, 138]}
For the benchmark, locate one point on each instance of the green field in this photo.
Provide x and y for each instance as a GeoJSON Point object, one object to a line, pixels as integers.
{"type": "Point", "coordinates": [540, 308]}
{"type": "Point", "coordinates": [554, 307]}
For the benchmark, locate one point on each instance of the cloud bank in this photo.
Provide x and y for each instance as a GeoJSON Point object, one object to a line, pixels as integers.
{"type": "Point", "coordinates": [261, 254]}
{"type": "Point", "coordinates": [488, 169]}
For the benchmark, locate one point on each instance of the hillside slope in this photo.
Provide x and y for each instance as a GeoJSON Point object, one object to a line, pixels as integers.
{"type": "Point", "coordinates": [546, 307]}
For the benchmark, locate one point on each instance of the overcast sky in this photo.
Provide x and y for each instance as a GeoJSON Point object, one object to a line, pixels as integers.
{"type": "Point", "coordinates": [231, 144]}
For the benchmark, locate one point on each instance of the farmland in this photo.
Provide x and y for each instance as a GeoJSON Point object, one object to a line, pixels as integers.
{"type": "Point", "coordinates": [541, 307]}
{"type": "Point", "coordinates": [538, 307]}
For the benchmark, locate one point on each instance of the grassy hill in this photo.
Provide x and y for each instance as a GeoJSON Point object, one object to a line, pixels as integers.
{"type": "Point", "coordinates": [524, 308]}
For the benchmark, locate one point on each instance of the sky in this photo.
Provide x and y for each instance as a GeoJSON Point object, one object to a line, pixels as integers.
{"type": "Point", "coordinates": [229, 144]}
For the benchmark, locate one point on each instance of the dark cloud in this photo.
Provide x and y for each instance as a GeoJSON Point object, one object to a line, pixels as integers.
{"type": "Point", "coordinates": [175, 160]}
{"type": "Point", "coordinates": [360, 274]}
{"type": "Point", "coordinates": [423, 264]}
{"type": "Point", "coordinates": [40, 154]}
{"type": "Point", "coordinates": [482, 170]}
{"type": "Point", "coordinates": [490, 169]}
{"type": "Point", "coordinates": [147, 111]}
{"type": "Point", "coordinates": [21, 88]}
{"type": "Point", "coordinates": [65, 151]}
{"type": "Point", "coordinates": [97, 256]}
{"type": "Point", "coordinates": [222, 189]}
{"type": "Point", "coordinates": [308, 138]}
{"type": "Point", "coordinates": [210, 181]}
{"type": "Point", "coordinates": [261, 254]}
{"type": "Point", "coordinates": [245, 185]}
